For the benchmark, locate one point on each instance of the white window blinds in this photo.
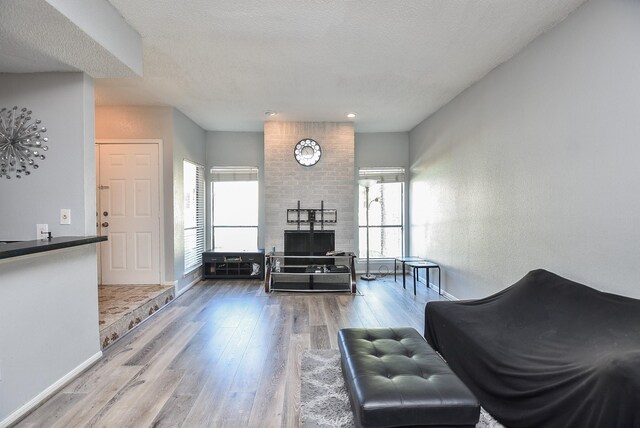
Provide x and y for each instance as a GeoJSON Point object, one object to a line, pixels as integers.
{"type": "Point", "coordinates": [382, 174]}
{"type": "Point", "coordinates": [193, 215]}
{"type": "Point", "coordinates": [234, 173]}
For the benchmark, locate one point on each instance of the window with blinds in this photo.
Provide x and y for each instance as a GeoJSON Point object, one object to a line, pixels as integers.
{"type": "Point", "coordinates": [382, 174]}
{"type": "Point", "coordinates": [386, 215]}
{"type": "Point", "coordinates": [234, 218]}
{"type": "Point", "coordinates": [193, 215]}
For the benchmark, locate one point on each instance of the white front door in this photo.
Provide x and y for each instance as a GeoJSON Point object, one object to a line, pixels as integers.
{"type": "Point", "coordinates": [129, 213]}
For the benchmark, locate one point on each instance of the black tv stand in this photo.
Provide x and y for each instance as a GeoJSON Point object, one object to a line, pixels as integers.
{"type": "Point", "coordinates": [233, 264]}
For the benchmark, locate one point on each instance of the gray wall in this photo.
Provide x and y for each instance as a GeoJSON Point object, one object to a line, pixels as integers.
{"type": "Point", "coordinates": [236, 149]}
{"type": "Point", "coordinates": [536, 165]}
{"type": "Point", "coordinates": [382, 149]}
{"type": "Point", "coordinates": [188, 144]}
{"type": "Point", "coordinates": [64, 103]}
{"type": "Point", "coordinates": [89, 150]}
{"type": "Point", "coordinates": [48, 323]}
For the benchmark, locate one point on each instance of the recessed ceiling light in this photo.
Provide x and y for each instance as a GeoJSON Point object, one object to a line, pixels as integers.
{"type": "Point", "coordinates": [270, 113]}
{"type": "Point", "coordinates": [351, 115]}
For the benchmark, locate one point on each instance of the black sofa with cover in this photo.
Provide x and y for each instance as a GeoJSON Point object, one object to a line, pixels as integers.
{"type": "Point", "coordinates": [545, 352]}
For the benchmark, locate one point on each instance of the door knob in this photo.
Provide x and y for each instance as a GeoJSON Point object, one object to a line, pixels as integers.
{"type": "Point", "coordinates": [105, 224]}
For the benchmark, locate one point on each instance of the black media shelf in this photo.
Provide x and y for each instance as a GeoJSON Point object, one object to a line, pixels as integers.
{"type": "Point", "coordinates": [233, 264]}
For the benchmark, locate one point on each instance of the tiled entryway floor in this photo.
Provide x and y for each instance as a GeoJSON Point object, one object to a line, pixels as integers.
{"type": "Point", "coordinates": [122, 307]}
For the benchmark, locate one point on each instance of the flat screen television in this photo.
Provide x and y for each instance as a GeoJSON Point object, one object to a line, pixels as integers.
{"type": "Point", "coordinates": [309, 243]}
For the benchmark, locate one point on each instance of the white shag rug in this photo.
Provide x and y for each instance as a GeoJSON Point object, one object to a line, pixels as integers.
{"type": "Point", "coordinates": [324, 400]}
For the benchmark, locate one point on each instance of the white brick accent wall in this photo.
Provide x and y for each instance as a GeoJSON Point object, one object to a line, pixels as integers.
{"type": "Point", "coordinates": [332, 179]}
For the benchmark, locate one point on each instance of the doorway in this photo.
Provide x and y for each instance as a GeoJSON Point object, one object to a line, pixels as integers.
{"type": "Point", "coordinates": [128, 198]}
{"type": "Point", "coordinates": [129, 213]}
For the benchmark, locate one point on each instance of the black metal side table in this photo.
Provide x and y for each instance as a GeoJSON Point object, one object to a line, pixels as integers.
{"type": "Point", "coordinates": [404, 260]}
{"type": "Point", "coordinates": [417, 265]}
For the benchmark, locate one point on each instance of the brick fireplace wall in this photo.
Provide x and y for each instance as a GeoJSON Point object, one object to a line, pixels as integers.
{"type": "Point", "coordinates": [331, 180]}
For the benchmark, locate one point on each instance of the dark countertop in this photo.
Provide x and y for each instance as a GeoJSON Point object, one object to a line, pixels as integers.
{"type": "Point", "coordinates": [22, 248]}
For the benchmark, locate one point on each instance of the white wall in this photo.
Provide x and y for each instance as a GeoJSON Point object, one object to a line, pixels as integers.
{"type": "Point", "coordinates": [536, 165]}
{"type": "Point", "coordinates": [64, 103]}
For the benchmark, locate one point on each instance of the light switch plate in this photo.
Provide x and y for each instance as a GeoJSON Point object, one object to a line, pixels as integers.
{"type": "Point", "coordinates": [41, 231]}
{"type": "Point", "coordinates": [65, 216]}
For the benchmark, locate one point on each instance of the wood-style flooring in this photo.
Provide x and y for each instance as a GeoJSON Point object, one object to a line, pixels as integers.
{"type": "Point", "coordinates": [224, 354]}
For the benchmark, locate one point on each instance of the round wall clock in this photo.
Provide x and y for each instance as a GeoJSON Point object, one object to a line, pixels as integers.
{"type": "Point", "coordinates": [307, 152]}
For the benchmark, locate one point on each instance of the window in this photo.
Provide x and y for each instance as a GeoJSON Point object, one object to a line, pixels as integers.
{"type": "Point", "coordinates": [234, 213]}
{"type": "Point", "coordinates": [193, 215]}
{"type": "Point", "coordinates": [386, 215]}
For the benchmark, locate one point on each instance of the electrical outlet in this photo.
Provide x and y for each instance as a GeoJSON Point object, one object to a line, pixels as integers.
{"type": "Point", "coordinates": [41, 231]}
{"type": "Point", "coordinates": [65, 216]}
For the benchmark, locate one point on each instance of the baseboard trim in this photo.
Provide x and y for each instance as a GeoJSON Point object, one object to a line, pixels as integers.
{"type": "Point", "coordinates": [449, 296]}
{"type": "Point", "coordinates": [434, 287]}
{"type": "Point", "coordinates": [188, 286]}
{"type": "Point", "coordinates": [47, 393]}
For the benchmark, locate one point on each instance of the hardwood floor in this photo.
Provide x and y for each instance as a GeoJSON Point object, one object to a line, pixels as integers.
{"type": "Point", "coordinates": [224, 354]}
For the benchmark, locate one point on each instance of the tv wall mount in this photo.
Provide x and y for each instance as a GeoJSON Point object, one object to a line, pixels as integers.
{"type": "Point", "coordinates": [310, 216]}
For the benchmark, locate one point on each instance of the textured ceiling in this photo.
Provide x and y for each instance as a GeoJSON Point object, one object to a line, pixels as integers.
{"type": "Point", "coordinates": [35, 36]}
{"type": "Point", "coordinates": [223, 63]}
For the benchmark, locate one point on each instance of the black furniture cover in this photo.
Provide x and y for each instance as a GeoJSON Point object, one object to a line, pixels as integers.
{"type": "Point", "coordinates": [545, 352]}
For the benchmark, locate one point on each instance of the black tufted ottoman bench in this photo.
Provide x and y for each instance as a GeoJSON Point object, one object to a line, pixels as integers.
{"type": "Point", "coordinates": [395, 379]}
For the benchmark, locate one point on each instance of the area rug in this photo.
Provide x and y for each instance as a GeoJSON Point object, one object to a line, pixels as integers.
{"type": "Point", "coordinates": [324, 402]}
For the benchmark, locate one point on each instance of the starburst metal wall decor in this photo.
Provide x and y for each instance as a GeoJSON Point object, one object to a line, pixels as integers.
{"type": "Point", "coordinates": [21, 142]}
